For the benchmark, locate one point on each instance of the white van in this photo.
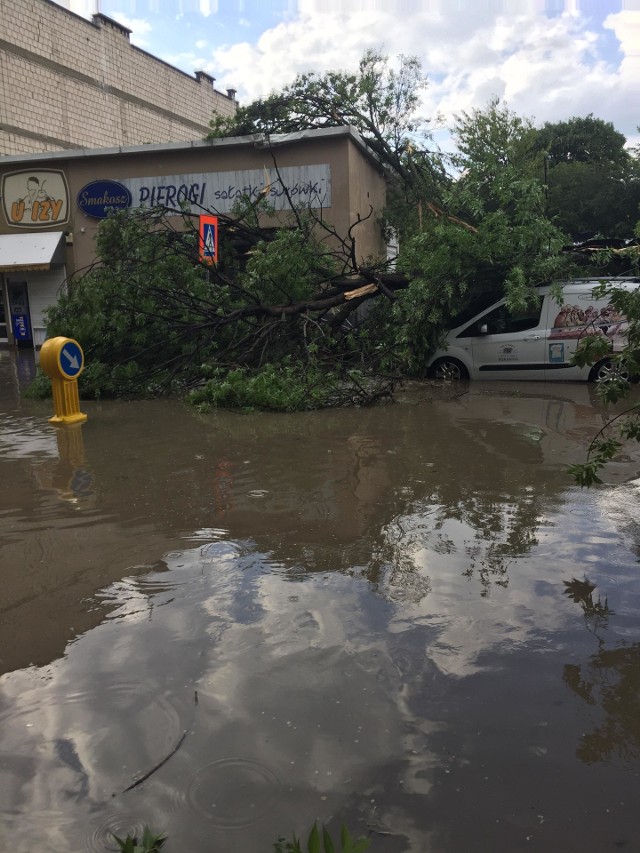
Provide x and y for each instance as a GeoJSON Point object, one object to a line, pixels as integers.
{"type": "Point", "coordinates": [536, 342]}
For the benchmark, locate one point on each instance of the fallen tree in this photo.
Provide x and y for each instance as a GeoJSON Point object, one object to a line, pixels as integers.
{"type": "Point", "coordinates": [154, 319]}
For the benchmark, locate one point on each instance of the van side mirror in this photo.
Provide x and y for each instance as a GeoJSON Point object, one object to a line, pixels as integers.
{"type": "Point", "coordinates": [483, 329]}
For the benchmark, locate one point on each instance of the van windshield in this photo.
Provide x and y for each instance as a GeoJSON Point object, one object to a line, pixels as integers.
{"type": "Point", "coordinates": [474, 305]}
{"type": "Point", "coordinates": [503, 320]}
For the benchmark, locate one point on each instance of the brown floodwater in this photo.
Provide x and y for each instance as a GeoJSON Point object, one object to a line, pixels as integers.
{"type": "Point", "coordinates": [406, 618]}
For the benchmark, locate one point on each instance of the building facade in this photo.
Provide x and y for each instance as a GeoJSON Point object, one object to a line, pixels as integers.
{"type": "Point", "coordinates": [52, 204]}
{"type": "Point", "coordinates": [66, 82]}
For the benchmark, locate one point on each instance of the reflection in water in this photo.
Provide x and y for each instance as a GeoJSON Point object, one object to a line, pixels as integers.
{"type": "Point", "coordinates": [610, 681]}
{"type": "Point", "coordinates": [596, 613]}
{"type": "Point", "coordinates": [353, 616]}
{"type": "Point", "coordinates": [69, 474]}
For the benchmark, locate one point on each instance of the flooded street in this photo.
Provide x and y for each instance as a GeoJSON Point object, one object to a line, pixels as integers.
{"type": "Point", "coordinates": [405, 618]}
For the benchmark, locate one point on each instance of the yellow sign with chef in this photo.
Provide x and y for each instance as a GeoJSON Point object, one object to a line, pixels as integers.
{"type": "Point", "coordinates": [36, 198]}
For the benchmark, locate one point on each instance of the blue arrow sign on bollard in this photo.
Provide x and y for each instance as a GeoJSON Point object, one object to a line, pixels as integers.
{"type": "Point", "coordinates": [71, 359]}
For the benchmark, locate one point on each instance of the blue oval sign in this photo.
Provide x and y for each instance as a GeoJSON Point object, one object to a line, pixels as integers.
{"type": "Point", "coordinates": [99, 197]}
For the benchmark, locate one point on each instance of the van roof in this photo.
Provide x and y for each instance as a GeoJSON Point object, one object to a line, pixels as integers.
{"type": "Point", "coordinates": [601, 279]}
{"type": "Point", "coordinates": [593, 282]}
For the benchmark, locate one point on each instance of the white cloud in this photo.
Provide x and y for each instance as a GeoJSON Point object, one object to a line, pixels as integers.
{"type": "Point", "coordinates": [625, 97]}
{"type": "Point", "coordinates": [546, 68]}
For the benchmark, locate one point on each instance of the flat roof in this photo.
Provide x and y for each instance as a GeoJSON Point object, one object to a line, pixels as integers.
{"type": "Point", "coordinates": [256, 140]}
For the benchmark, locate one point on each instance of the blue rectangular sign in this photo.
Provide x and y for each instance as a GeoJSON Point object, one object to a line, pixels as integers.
{"type": "Point", "coordinates": [21, 330]}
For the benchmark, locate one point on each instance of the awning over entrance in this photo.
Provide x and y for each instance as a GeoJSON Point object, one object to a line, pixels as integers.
{"type": "Point", "coordinates": [31, 251]}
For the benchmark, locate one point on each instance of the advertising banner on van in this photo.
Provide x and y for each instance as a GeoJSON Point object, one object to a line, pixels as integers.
{"type": "Point", "coordinates": [575, 322]}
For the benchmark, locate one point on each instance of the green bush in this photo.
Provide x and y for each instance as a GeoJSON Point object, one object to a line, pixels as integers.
{"type": "Point", "coordinates": [285, 388]}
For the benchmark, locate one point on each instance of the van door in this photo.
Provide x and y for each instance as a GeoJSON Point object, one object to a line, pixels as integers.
{"type": "Point", "coordinates": [509, 343]}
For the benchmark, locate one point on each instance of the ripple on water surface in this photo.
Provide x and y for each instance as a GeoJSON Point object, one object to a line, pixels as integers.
{"type": "Point", "coordinates": [22, 437]}
{"type": "Point", "coordinates": [117, 821]}
{"type": "Point", "coordinates": [103, 738]}
{"type": "Point", "coordinates": [214, 792]}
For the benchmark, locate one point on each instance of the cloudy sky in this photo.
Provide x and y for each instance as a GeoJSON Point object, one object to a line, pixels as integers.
{"type": "Point", "coordinates": [548, 60]}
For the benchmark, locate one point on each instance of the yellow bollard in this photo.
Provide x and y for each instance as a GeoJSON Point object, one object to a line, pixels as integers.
{"type": "Point", "coordinates": [62, 360]}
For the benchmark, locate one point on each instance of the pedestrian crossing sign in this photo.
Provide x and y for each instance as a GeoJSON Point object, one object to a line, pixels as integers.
{"type": "Point", "coordinates": [209, 239]}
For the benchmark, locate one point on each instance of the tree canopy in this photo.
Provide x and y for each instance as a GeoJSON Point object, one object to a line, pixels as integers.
{"type": "Point", "coordinates": [380, 101]}
{"type": "Point", "coordinates": [582, 140]}
{"type": "Point", "coordinates": [593, 180]}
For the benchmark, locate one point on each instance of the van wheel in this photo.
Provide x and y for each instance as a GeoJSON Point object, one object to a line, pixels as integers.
{"type": "Point", "coordinates": [607, 370]}
{"type": "Point", "coordinates": [449, 369]}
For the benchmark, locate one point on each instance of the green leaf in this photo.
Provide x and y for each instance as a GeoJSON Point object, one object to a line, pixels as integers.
{"type": "Point", "coordinates": [328, 841]}
{"type": "Point", "coordinates": [585, 474]}
{"type": "Point", "coordinates": [314, 840]}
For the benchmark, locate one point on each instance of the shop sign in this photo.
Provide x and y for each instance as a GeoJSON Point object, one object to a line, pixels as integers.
{"type": "Point", "coordinates": [302, 186]}
{"type": "Point", "coordinates": [36, 198]}
{"type": "Point", "coordinates": [99, 197]}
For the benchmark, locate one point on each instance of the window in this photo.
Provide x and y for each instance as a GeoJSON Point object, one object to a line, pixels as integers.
{"type": "Point", "coordinates": [503, 321]}
{"type": "Point", "coordinates": [475, 303]}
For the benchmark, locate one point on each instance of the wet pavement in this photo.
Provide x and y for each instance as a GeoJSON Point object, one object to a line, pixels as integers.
{"type": "Point", "coordinates": [405, 618]}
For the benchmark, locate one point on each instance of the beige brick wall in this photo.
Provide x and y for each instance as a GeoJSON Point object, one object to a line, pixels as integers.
{"type": "Point", "coordinates": [66, 82]}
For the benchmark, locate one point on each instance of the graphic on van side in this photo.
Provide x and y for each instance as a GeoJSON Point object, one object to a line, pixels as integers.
{"type": "Point", "coordinates": [574, 323]}
{"type": "Point", "coordinates": [556, 354]}
{"type": "Point", "coordinates": [508, 352]}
